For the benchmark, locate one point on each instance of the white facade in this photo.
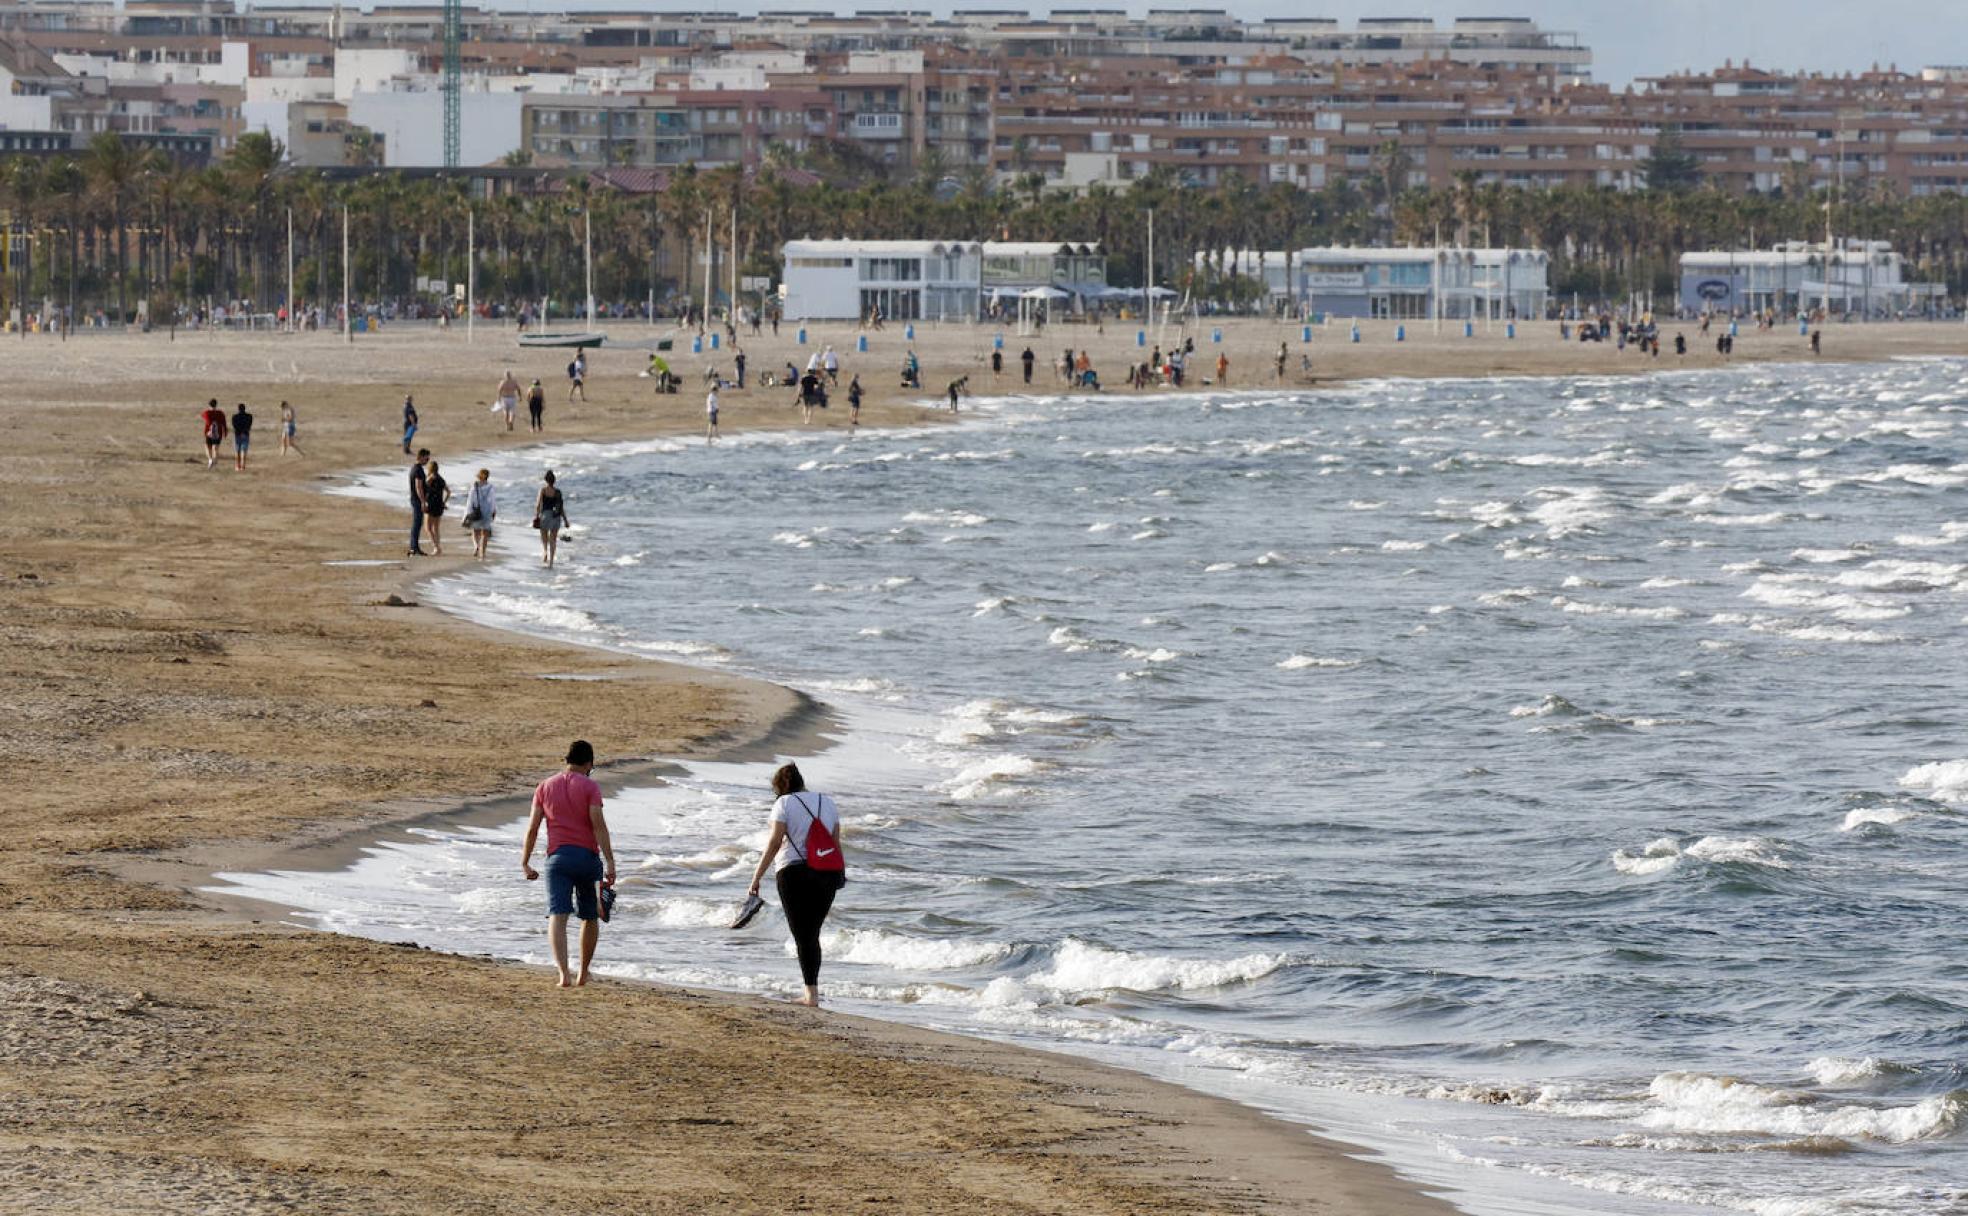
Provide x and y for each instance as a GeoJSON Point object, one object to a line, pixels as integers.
{"type": "Point", "coordinates": [370, 69]}
{"type": "Point", "coordinates": [1398, 284]}
{"type": "Point", "coordinates": [412, 126]}
{"type": "Point", "coordinates": [1866, 277]}
{"type": "Point", "coordinates": [906, 280]}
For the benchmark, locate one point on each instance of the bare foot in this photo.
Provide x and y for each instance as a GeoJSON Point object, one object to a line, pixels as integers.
{"type": "Point", "coordinates": [566, 980]}
{"type": "Point", "coordinates": [581, 980]}
{"type": "Point", "coordinates": [811, 1002]}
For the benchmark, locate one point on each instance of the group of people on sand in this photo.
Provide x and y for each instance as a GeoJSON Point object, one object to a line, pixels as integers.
{"type": "Point", "coordinates": [802, 848]}
{"type": "Point", "coordinates": [214, 425]}
{"type": "Point", "coordinates": [430, 498]}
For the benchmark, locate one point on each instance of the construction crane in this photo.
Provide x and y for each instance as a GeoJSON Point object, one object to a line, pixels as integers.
{"type": "Point", "coordinates": [454, 20]}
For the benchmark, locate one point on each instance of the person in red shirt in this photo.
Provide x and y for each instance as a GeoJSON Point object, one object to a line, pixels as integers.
{"type": "Point", "coordinates": [569, 804]}
{"type": "Point", "coordinates": [214, 422]}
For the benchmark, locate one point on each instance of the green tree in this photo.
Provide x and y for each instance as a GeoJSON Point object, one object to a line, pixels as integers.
{"type": "Point", "coordinates": [1670, 167]}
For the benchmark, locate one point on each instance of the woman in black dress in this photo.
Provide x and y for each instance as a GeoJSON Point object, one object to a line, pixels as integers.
{"type": "Point", "coordinates": [436, 495]}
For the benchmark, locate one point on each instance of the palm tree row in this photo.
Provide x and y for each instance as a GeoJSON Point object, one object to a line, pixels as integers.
{"type": "Point", "coordinates": [118, 225]}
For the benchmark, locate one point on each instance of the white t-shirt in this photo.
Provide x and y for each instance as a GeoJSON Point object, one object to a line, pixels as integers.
{"type": "Point", "coordinates": [793, 811]}
{"type": "Point", "coordinates": [711, 403]}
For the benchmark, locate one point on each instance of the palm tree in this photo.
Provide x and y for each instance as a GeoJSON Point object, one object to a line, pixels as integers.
{"type": "Point", "coordinates": [112, 168]}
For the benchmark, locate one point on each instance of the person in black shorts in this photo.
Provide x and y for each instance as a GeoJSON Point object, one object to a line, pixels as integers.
{"type": "Point", "coordinates": [536, 407]}
{"type": "Point", "coordinates": [242, 437]}
{"type": "Point", "coordinates": [437, 493]}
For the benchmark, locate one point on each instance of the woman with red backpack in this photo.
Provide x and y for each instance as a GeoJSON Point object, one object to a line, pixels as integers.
{"type": "Point", "coordinates": [808, 825]}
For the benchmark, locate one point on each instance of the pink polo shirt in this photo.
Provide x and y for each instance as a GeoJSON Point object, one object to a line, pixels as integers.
{"type": "Point", "coordinates": [567, 797]}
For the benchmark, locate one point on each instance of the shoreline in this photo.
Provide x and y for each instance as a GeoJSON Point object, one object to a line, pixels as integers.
{"type": "Point", "coordinates": [1266, 1149]}
{"type": "Point", "coordinates": [297, 674]}
{"type": "Point", "coordinates": [194, 669]}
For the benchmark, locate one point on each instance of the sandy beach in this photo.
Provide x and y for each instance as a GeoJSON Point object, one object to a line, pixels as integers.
{"type": "Point", "coordinates": [198, 681]}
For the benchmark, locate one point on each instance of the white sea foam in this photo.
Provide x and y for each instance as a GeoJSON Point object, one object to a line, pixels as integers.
{"type": "Point", "coordinates": [1403, 546]}
{"type": "Point", "coordinates": [1300, 662]}
{"type": "Point", "coordinates": [1942, 780]}
{"type": "Point", "coordinates": [1082, 967]}
{"type": "Point", "coordinates": [1884, 816]}
{"type": "Point", "coordinates": [1665, 852]}
{"type": "Point", "coordinates": [1702, 1103]}
{"type": "Point", "coordinates": [901, 952]}
{"type": "Point", "coordinates": [1835, 1072]}
{"type": "Point", "coordinates": [989, 776]}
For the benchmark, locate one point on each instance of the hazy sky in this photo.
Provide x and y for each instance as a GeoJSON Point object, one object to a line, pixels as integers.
{"type": "Point", "coordinates": [1644, 38]}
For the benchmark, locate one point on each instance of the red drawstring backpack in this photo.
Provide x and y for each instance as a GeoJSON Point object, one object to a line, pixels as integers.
{"type": "Point", "coordinates": [823, 853]}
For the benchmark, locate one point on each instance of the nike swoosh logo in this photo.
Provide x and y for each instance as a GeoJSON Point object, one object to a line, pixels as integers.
{"type": "Point", "coordinates": [823, 852]}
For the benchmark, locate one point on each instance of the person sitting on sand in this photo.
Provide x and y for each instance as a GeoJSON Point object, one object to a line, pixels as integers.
{"type": "Point", "coordinates": [579, 855]}
{"type": "Point", "coordinates": [806, 895]}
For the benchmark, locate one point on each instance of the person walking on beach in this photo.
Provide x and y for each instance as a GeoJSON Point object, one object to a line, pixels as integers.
{"type": "Point", "coordinates": [242, 437]}
{"type": "Point", "coordinates": [549, 516]}
{"type": "Point", "coordinates": [808, 876]}
{"type": "Point", "coordinates": [481, 508]}
{"type": "Point", "coordinates": [738, 362]}
{"type": "Point", "coordinates": [711, 416]}
{"type": "Point", "coordinates": [577, 375]}
{"type": "Point", "coordinates": [832, 362]}
{"type": "Point", "coordinates": [409, 422]}
{"type": "Point", "coordinates": [1282, 356]}
{"type": "Point", "coordinates": [437, 494]}
{"type": "Point", "coordinates": [212, 423]}
{"type": "Point", "coordinates": [1223, 367]}
{"type": "Point", "coordinates": [1028, 358]}
{"type": "Point", "coordinates": [579, 856]}
{"type": "Point", "coordinates": [997, 363]}
{"type": "Point", "coordinates": [288, 427]}
{"type": "Point", "coordinates": [507, 396]}
{"type": "Point", "coordinates": [417, 476]}
{"type": "Point", "coordinates": [854, 401]}
{"type": "Point", "coordinates": [958, 388]}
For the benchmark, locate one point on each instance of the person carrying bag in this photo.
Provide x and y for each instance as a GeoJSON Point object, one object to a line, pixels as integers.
{"type": "Point", "coordinates": [811, 872]}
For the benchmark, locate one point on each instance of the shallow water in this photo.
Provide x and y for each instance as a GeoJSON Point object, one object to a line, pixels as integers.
{"type": "Point", "coordinates": [1557, 783]}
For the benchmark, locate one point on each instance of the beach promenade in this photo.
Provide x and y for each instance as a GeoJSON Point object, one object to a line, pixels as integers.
{"type": "Point", "coordinates": [197, 680]}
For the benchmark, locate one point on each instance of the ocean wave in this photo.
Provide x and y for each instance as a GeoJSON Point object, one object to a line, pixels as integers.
{"type": "Point", "coordinates": [1299, 662]}
{"type": "Point", "coordinates": [881, 948]}
{"type": "Point", "coordinates": [1080, 967]}
{"type": "Point", "coordinates": [1665, 852]}
{"type": "Point", "coordinates": [1942, 780]}
{"type": "Point", "coordinates": [1838, 1071]}
{"type": "Point", "coordinates": [1708, 1104]}
{"type": "Point", "coordinates": [1883, 816]}
{"type": "Point", "coordinates": [989, 776]}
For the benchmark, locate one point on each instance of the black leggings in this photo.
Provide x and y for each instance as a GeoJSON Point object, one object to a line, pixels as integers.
{"type": "Point", "coordinates": [806, 897]}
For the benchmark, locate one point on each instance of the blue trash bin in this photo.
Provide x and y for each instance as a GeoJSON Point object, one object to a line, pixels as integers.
{"type": "Point", "coordinates": [802, 335]}
{"type": "Point", "coordinates": [1305, 334]}
{"type": "Point", "coordinates": [1141, 337]}
{"type": "Point", "coordinates": [697, 345]}
{"type": "Point", "coordinates": [1356, 332]}
{"type": "Point", "coordinates": [1510, 329]}
{"type": "Point", "coordinates": [1216, 335]}
{"type": "Point", "coordinates": [909, 332]}
{"type": "Point", "coordinates": [1469, 329]}
{"type": "Point", "coordinates": [997, 343]}
{"type": "Point", "coordinates": [715, 339]}
{"type": "Point", "coordinates": [861, 343]}
{"type": "Point", "coordinates": [1400, 333]}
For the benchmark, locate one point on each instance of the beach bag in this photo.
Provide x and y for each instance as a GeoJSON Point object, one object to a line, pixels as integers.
{"type": "Point", "coordinates": [823, 854]}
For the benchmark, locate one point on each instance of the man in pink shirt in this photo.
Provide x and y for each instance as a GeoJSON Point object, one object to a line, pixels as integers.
{"type": "Point", "coordinates": [569, 803]}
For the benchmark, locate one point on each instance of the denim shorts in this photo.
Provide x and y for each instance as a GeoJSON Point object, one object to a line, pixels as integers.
{"type": "Point", "coordinates": [572, 873]}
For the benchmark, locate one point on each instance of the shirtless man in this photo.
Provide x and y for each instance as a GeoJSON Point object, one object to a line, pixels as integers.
{"type": "Point", "coordinates": [507, 396]}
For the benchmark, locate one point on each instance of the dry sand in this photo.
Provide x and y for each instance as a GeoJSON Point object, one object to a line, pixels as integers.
{"type": "Point", "coordinates": [189, 686]}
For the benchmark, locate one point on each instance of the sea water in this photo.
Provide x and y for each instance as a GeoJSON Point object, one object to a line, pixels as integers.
{"type": "Point", "coordinates": [1558, 785]}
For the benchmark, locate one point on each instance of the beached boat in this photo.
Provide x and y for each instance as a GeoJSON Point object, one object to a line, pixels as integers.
{"type": "Point", "coordinates": [582, 338]}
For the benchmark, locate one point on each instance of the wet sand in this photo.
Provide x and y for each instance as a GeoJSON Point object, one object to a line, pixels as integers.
{"type": "Point", "coordinates": [191, 686]}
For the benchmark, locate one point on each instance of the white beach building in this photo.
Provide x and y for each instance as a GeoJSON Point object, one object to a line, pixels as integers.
{"type": "Point", "coordinates": [1866, 278]}
{"type": "Point", "coordinates": [933, 280]}
{"type": "Point", "coordinates": [1398, 284]}
{"type": "Point", "coordinates": [907, 280]}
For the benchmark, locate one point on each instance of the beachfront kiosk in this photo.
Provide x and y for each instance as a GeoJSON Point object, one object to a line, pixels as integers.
{"type": "Point", "coordinates": [1867, 279]}
{"type": "Point", "coordinates": [1396, 284]}
{"type": "Point", "coordinates": [843, 280]}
